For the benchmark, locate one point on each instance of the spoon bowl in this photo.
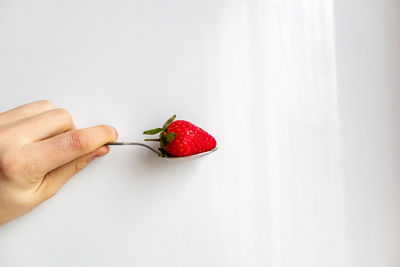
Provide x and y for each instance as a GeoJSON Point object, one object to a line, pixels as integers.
{"type": "Point", "coordinates": [195, 156]}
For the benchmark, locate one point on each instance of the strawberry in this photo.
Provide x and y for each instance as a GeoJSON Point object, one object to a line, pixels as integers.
{"type": "Point", "coordinates": [181, 138]}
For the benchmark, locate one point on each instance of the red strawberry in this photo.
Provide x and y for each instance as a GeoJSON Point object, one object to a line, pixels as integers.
{"type": "Point", "coordinates": [181, 138]}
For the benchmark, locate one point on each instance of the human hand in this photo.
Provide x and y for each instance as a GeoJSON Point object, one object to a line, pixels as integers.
{"type": "Point", "coordinates": [40, 150]}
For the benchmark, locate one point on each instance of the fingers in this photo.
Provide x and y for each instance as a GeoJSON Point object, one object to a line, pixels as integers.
{"type": "Point", "coordinates": [25, 111]}
{"type": "Point", "coordinates": [41, 126]}
{"type": "Point", "coordinates": [55, 179]}
{"type": "Point", "coordinates": [66, 147]}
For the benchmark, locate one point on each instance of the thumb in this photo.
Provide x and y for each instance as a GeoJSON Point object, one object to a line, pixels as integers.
{"type": "Point", "coordinates": [55, 179]}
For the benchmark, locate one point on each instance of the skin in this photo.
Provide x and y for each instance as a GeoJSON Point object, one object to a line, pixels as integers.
{"type": "Point", "coordinates": [40, 150]}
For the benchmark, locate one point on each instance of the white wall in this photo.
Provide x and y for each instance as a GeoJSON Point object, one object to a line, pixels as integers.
{"type": "Point", "coordinates": [302, 97]}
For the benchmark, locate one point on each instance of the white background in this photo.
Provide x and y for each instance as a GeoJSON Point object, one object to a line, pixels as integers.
{"type": "Point", "coordinates": [301, 95]}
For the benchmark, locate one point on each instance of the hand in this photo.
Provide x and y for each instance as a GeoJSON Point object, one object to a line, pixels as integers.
{"type": "Point", "coordinates": [40, 150]}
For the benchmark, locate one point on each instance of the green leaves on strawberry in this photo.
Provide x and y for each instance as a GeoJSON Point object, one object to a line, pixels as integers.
{"type": "Point", "coordinates": [164, 137]}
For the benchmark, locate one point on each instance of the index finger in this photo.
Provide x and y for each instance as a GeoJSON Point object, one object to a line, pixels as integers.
{"type": "Point", "coordinates": [59, 150]}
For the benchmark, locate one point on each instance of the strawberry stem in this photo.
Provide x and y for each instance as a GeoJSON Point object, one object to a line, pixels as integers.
{"type": "Point", "coordinates": [157, 140]}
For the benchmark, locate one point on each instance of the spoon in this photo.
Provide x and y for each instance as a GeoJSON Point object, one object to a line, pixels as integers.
{"type": "Point", "coordinates": [168, 158]}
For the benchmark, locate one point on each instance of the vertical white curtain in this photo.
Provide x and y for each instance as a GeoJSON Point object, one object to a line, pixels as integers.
{"type": "Point", "coordinates": [278, 112]}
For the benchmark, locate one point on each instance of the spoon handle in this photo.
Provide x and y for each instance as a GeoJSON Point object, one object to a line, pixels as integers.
{"type": "Point", "coordinates": [133, 144]}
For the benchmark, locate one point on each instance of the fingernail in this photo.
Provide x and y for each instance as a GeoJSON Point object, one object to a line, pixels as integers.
{"type": "Point", "coordinates": [116, 133]}
{"type": "Point", "coordinates": [101, 152]}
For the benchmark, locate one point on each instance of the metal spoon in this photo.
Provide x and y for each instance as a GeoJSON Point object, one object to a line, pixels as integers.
{"type": "Point", "coordinates": [159, 154]}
